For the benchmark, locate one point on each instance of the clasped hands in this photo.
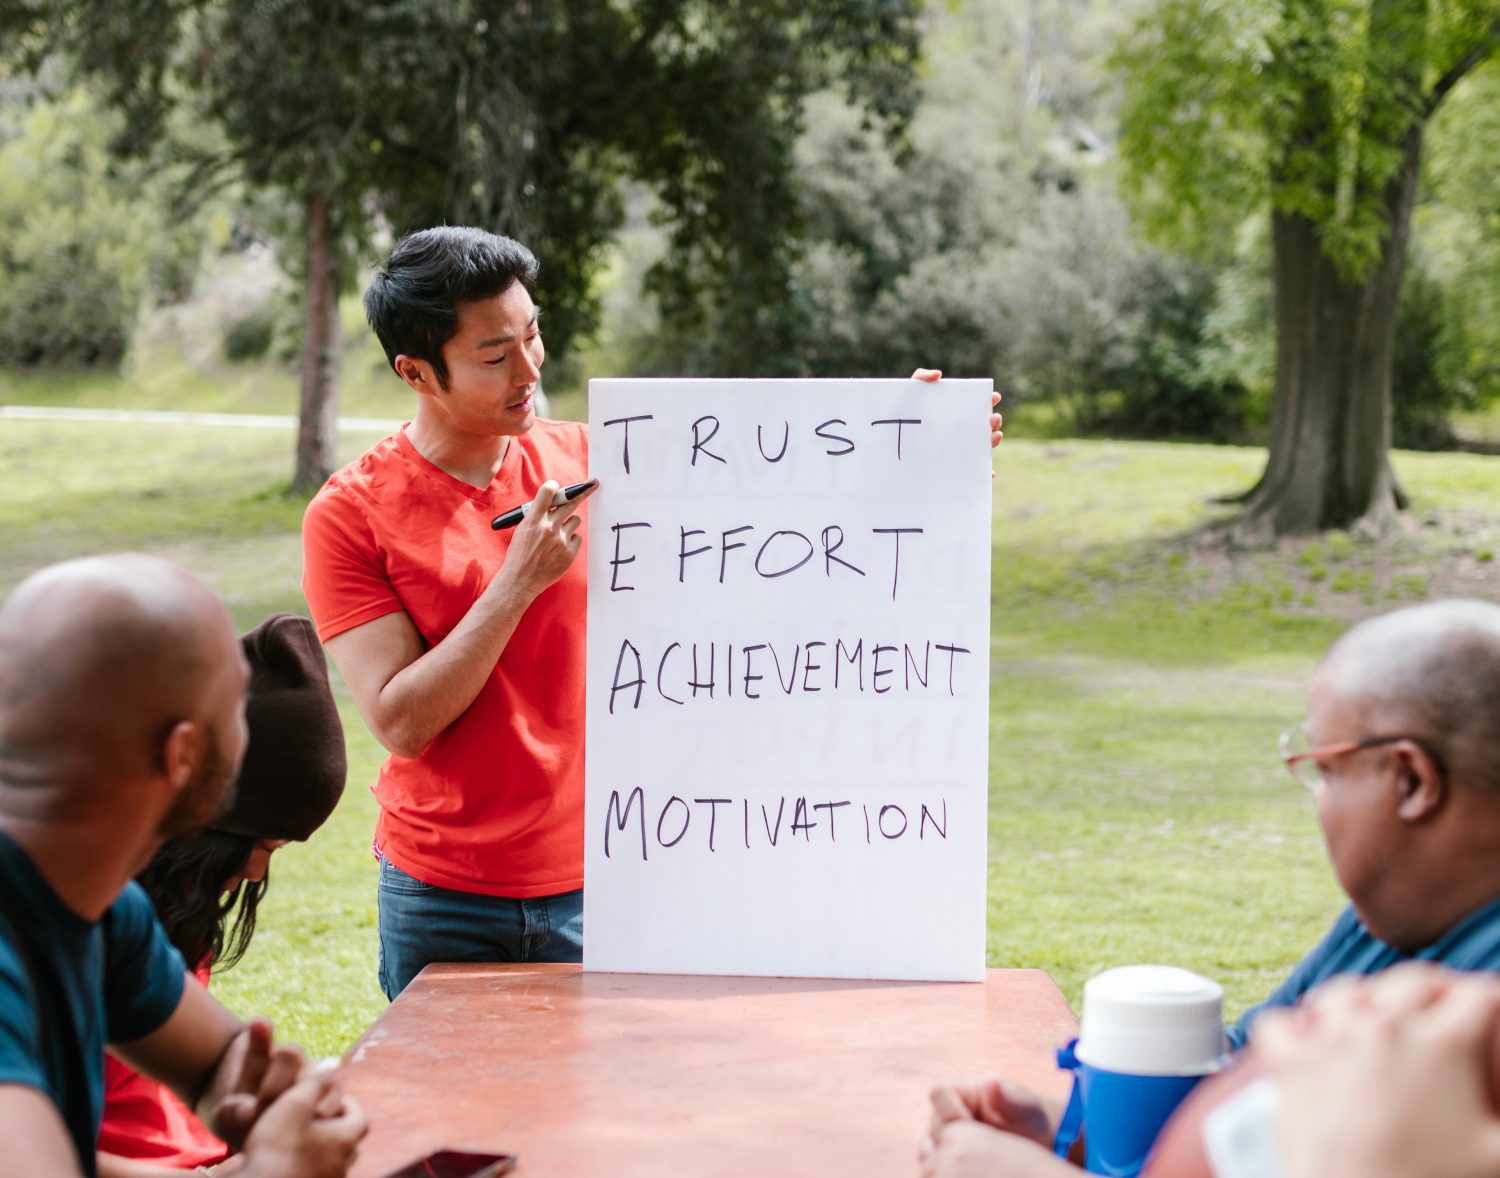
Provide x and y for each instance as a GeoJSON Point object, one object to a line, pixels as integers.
{"type": "Point", "coordinates": [287, 1114]}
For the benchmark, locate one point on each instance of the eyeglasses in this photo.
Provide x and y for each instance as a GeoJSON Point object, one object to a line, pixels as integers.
{"type": "Point", "coordinates": [1303, 760]}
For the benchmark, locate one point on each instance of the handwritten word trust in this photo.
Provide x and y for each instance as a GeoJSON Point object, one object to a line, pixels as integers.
{"type": "Point", "coordinates": [834, 443]}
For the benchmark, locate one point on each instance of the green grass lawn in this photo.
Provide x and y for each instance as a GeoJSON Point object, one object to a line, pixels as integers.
{"type": "Point", "coordinates": [1141, 675]}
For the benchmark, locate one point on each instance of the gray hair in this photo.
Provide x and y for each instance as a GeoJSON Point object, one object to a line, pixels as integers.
{"type": "Point", "coordinates": [1431, 672]}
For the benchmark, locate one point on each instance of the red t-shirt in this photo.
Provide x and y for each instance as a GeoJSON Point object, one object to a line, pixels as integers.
{"type": "Point", "coordinates": [495, 803]}
{"type": "Point", "coordinates": [145, 1121]}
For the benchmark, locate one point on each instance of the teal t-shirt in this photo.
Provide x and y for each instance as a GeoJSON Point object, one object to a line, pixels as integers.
{"type": "Point", "coordinates": [1473, 945]}
{"type": "Point", "coordinates": [115, 980]}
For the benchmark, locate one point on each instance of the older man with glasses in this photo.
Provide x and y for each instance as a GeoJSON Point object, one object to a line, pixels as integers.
{"type": "Point", "coordinates": [1401, 753]}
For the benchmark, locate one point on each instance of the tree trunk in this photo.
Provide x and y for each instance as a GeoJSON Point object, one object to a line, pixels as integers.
{"type": "Point", "coordinates": [318, 413]}
{"type": "Point", "coordinates": [1329, 461]}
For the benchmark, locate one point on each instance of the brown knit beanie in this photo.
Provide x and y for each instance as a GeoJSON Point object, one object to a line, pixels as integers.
{"type": "Point", "coordinates": [294, 767]}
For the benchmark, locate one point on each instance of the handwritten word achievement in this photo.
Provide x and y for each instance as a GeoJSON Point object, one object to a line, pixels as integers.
{"type": "Point", "coordinates": [788, 678]}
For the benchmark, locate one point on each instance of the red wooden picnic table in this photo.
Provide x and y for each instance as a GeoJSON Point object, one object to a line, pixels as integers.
{"type": "Point", "coordinates": [655, 1074]}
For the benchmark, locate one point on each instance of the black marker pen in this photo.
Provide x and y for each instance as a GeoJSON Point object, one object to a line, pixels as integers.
{"type": "Point", "coordinates": [516, 514]}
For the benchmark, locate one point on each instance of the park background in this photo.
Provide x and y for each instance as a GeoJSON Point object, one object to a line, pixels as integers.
{"type": "Point", "coordinates": [1101, 205]}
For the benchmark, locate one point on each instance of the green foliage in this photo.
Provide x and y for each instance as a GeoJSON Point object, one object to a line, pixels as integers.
{"type": "Point", "coordinates": [1192, 125]}
{"type": "Point", "coordinates": [717, 148]}
{"type": "Point", "coordinates": [1305, 105]}
{"type": "Point", "coordinates": [898, 235]}
{"type": "Point", "coordinates": [1170, 383]}
{"type": "Point", "coordinates": [1347, 78]}
{"type": "Point", "coordinates": [997, 265]}
{"type": "Point", "coordinates": [1423, 400]}
{"type": "Point", "coordinates": [250, 336]}
{"type": "Point", "coordinates": [517, 115]}
{"type": "Point", "coordinates": [1240, 329]}
{"type": "Point", "coordinates": [1426, 393]}
{"type": "Point", "coordinates": [1458, 229]}
{"type": "Point", "coordinates": [1314, 111]}
{"type": "Point", "coordinates": [902, 257]}
{"type": "Point", "coordinates": [987, 239]}
{"type": "Point", "coordinates": [726, 176]}
{"type": "Point", "coordinates": [84, 240]}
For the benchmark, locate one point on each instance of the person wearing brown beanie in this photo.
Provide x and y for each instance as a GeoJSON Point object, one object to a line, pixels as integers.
{"type": "Point", "coordinates": [122, 728]}
{"type": "Point", "coordinates": [207, 884]}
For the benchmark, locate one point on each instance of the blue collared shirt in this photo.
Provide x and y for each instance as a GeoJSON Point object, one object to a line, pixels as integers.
{"type": "Point", "coordinates": [117, 979]}
{"type": "Point", "coordinates": [1473, 944]}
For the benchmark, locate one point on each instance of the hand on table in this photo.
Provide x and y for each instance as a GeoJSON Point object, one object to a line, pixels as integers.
{"type": "Point", "coordinates": [990, 1101]}
{"type": "Point", "coordinates": [1387, 1077]}
{"type": "Point", "coordinates": [936, 374]}
{"type": "Point", "coordinates": [968, 1149]}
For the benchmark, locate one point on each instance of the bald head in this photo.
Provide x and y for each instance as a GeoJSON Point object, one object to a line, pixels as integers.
{"type": "Point", "coordinates": [1431, 672]}
{"type": "Point", "coordinates": [99, 659]}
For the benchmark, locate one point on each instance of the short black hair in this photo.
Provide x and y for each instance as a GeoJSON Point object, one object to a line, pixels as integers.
{"type": "Point", "coordinates": [413, 299]}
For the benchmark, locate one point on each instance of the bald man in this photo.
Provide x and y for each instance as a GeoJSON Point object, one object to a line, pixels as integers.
{"type": "Point", "coordinates": [1401, 752]}
{"type": "Point", "coordinates": [122, 723]}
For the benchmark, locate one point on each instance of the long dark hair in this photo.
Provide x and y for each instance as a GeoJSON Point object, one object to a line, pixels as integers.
{"type": "Point", "coordinates": [185, 881]}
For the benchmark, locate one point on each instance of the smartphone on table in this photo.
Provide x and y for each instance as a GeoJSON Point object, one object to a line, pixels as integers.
{"type": "Point", "coordinates": [456, 1163]}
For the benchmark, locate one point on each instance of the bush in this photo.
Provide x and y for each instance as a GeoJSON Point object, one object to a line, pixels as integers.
{"type": "Point", "coordinates": [80, 236]}
{"type": "Point", "coordinates": [971, 263]}
{"type": "Point", "coordinates": [1422, 400]}
{"type": "Point", "coordinates": [250, 336]}
{"type": "Point", "coordinates": [1167, 385]}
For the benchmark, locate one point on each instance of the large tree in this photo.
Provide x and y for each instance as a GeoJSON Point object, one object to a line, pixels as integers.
{"type": "Point", "coordinates": [290, 97]}
{"type": "Point", "coordinates": [521, 115]}
{"type": "Point", "coordinates": [1315, 109]}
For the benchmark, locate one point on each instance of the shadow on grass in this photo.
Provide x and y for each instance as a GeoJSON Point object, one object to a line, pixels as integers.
{"type": "Point", "coordinates": [1153, 600]}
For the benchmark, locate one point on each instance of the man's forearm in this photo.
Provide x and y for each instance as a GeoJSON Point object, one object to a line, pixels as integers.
{"type": "Point", "coordinates": [427, 695]}
{"type": "Point", "coordinates": [188, 1051]}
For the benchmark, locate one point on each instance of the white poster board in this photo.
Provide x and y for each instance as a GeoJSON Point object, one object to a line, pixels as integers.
{"type": "Point", "coordinates": [788, 678]}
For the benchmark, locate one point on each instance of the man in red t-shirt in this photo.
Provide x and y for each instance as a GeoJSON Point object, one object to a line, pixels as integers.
{"type": "Point", "coordinates": [463, 646]}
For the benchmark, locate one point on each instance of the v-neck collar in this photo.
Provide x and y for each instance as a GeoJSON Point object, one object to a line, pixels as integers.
{"type": "Point", "coordinates": [469, 490]}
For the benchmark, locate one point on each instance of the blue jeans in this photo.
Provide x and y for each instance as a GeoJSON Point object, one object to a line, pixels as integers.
{"type": "Point", "coordinates": [420, 923]}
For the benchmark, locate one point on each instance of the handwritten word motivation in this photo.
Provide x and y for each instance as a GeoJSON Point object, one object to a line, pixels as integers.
{"type": "Point", "coordinates": [718, 824]}
{"type": "Point", "coordinates": [833, 438]}
{"type": "Point", "coordinates": [706, 671]}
